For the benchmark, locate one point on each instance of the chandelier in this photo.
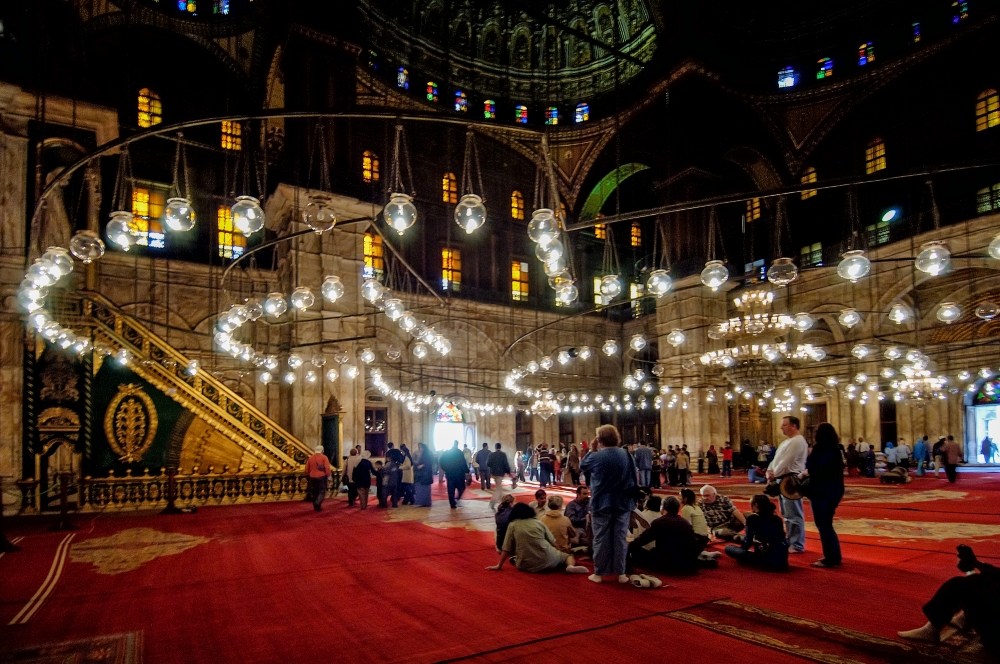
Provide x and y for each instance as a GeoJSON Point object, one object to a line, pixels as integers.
{"type": "Point", "coordinates": [546, 408]}
{"type": "Point", "coordinates": [919, 385]}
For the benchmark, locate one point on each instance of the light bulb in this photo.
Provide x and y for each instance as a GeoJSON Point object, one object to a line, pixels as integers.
{"type": "Point", "coordinates": [637, 342]}
{"type": "Point", "coordinates": [568, 293]}
{"type": "Point", "coordinates": [86, 246]}
{"type": "Point", "coordinates": [121, 230]}
{"type": "Point", "coordinates": [275, 305]}
{"type": "Point", "coordinates": [543, 227]}
{"type": "Point", "coordinates": [987, 310]}
{"type": "Point", "coordinates": [400, 213]}
{"type": "Point", "coordinates": [610, 347]}
{"type": "Point", "coordinates": [178, 214]}
{"type": "Point", "coordinates": [294, 361]}
{"type": "Point", "coordinates": [254, 308]}
{"type": "Point", "coordinates": [861, 351]}
{"type": "Point", "coordinates": [849, 318]}
{"type": "Point", "coordinates": [470, 213]}
{"type": "Point", "coordinates": [994, 247]}
{"type": "Point", "coordinates": [367, 356]}
{"type": "Point", "coordinates": [611, 286]}
{"type": "Point", "coordinates": [393, 353]}
{"type": "Point", "coordinates": [563, 357]}
{"type": "Point", "coordinates": [546, 362]}
{"type": "Point", "coordinates": [248, 215]}
{"type": "Point", "coordinates": [350, 371]}
{"type": "Point", "coordinates": [407, 321]}
{"type": "Point", "coordinates": [714, 275]}
{"type": "Point", "coordinates": [420, 350]}
{"type": "Point", "coordinates": [659, 283]}
{"type": "Point", "coordinates": [782, 272]}
{"type": "Point", "coordinates": [854, 265]}
{"type": "Point", "coordinates": [803, 321]}
{"type": "Point", "coordinates": [394, 308]}
{"type": "Point", "coordinates": [584, 353]}
{"type": "Point", "coordinates": [61, 262]}
{"type": "Point", "coordinates": [675, 338]}
{"type": "Point", "coordinates": [371, 290]}
{"type": "Point", "coordinates": [302, 298]}
{"type": "Point", "coordinates": [332, 288]}
{"type": "Point", "coordinates": [934, 258]}
{"type": "Point", "coordinates": [949, 312]}
{"type": "Point", "coordinates": [332, 375]}
{"type": "Point", "coordinates": [290, 377]}
{"type": "Point", "coordinates": [899, 313]}
{"type": "Point", "coordinates": [893, 353]}
{"type": "Point", "coordinates": [318, 213]}
{"type": "Point", "coordinates": [310, 376]}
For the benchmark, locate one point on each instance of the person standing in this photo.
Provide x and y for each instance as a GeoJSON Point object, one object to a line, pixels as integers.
{"type": "Point", "coordinates": [937, 454]}
{"type": "Point", "coordinates": [545, 459]}
{"type": "Point", "coordinates": [318, 470]}
{"type": "Point", "coordinates": [423, 475]}
{"type": "Point", "coordinates": [682, 461]}
{"type": "Point", "coordinates": [573, 463]}
{"type": "Point", "coordinates": [498, 466]}
{"type": "Point", "coordinates": [920, 455]}
{"type": "Point", "coordinates": [467, 453]}
{"type": "Point", "coordinates": [407, 483]}
{"type": "Point", "coordinates": [670, 463]}
{"type": "Point", "coordinates": [903, 454]}
{"type": "Point", "coordinates": [643, 463]}
{"type": "Point", "coordinates": [727, 460]}
{"type": "Point", "coordinates": [988, 448]}
{"type": "Point", "coordinates": [713, 460]}
{"type": "Point", "coordinates": [952, 455]}
{"type": "Point", "coordinates": [790, 459]}
{"type": "Point", "coordinates": [611, 473]}
{"type": "Point", "coordinates": [521, 461]}
{"type": "Point", "coordinates": [891, 458]}
{"type": "Point", "coordinates": [352, 489]}
{"type": "Point", "coordinates": [454, 469]}
{"type": "Point", "coordinates": [532, 464]}
{"type": "Point", "coordinates": [362, 476]}
{"type": "Point", "coordinates": [870, 462]}
{"type": "Point", "coordinates": [862, 446]}
{"type": "Point", "coordinates": [481, 459]}
{"type": "Point", "coordinates": [826, 488]}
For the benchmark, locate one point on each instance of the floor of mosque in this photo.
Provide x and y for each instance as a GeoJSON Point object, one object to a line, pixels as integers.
{"type": "Point", "coordinates": [282, 583]}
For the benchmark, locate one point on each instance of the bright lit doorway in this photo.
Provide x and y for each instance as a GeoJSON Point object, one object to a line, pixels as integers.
{"type": "Point", "coordinates": [450, 425]}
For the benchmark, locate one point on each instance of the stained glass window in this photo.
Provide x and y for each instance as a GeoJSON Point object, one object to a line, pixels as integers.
{"type": "Point", "coordinates": [449, 413]}
{"type": "Point", "coordinates": [753, 209]}
{"type": "Point", "coordinates": [825, 68]}
{"type": "Point", "coordinates": [147, 212]}
{"type": "Point", "coordinates": [432, 91]}
{"type": "Point", "coordinates": [521, 114]}
{"type": "Point", "coordinates": [232, 243]}
{"type": "Point", "coordinates": [916, 33]}
{"type": "Point", "coordinates": [959, 10]}
{"type": "Point", "coordinates": [232, 135]}
{"type": "Point", "coordinates": [988, 199]}
{"type": "Point", "coordinates": [519, 281]}
{"type": "Point", "coordinates": [582, 113]}
{"type": "Point", "coordinates": [221, 7]}
{"type": "Point", "coordinates": [187, 5]}
{"type": "Point", "coordinates": [449, 188]}
{"type": "Point", "coordinates": [601, 231]}
{"type": "Point", "coordinates": [636, 234]}
{"type": "Point", "coordinates": [634, 293]}
{"type": "Point", "coordinates": [150, 109]}
{"type": "Point", "coordinates": [403, 78]}
{"type": "Point", "coordinates": [807, 178]}
{"type": "Point", "coordinates": [787, 78]}
{"type": "Point", "coordinates": [599, 299]}
{"type": "Point", "coordinates": [516, 205]}
{"type": "Point", "coordinates": [866, 54]}
{"type": "Point", "coordinates": [461, 102]}
{"type": "Point", "coordinates": [489, 109]}
{"type": "Point", "coordinates": [369, 166]}
{"type": "Point", "coordinates": [987, 110]}
{"type": "Point", "coordinates": [811, 255]}
{"type": "Point", "coordinates": [451, 269]}
{"type": "Point", "coordinates": [875, 156]}
{"type": "Point", "coordinates": [552, 115]}
{"type": "Point", "coordinates": [878, 233]}
{"type": "Point", "coordinates": [989, 393]}
{"type": "Point", "coordinates": [374, 256]}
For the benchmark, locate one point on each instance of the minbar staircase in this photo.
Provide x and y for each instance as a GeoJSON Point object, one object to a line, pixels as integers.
{"type": "Point", "coordinates": [166, 368]}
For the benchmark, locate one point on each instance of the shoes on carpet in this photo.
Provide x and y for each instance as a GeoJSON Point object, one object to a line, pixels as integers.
{"type": "Point", "coordinates": [823, 563]}
{"type": "Point", "coordinates": [796, 551]}
{"type": "Point", "coordinates": [576, 569]}
{"type": "Point", "coordinates": [595, 578]}
{"type": "Point", "coordinates": [623, 578]}
{"type": "Point", "coordinates": [926, 633]}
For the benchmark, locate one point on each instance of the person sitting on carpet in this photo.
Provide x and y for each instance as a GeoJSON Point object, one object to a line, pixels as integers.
{"type": "Point", "coordinates": [695, 516]}
{"type": "Point", "coordinates": [530, 544]}
{"type": "Point", "coordinates": [756, 475]}
{"type": "Point", "coordinates": [764, 544]}
{"type": "Point", "coordinates": [502, 518]}
{"type": "Point", "coordinates": [559, 525]}
{"type": "Point", "coordinates": [723, 519]}
{"type": "Point", "coordinates": [676, 549]}
{"type": "Point", "coordinates": [970, 601]}
{"type": "Point", "coordinates": [539, 503]}
{"type": "Point", "coordinates": [577, 509]}
{"type": "Point", "coordinates": [642, 518]}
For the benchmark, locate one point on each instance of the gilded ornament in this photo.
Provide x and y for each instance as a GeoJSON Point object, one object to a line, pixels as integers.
{"type": "Point", "coordinates": [130, 423]}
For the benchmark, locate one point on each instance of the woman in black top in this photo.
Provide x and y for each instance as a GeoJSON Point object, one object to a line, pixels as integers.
{"type": "Point", "coordinates": [825, 468]}
{"type": "Point", "coordinates": [764, 543]}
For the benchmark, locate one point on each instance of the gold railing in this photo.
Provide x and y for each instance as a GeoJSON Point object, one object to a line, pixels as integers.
{"type": "Point", "coordinates": [163, 366]}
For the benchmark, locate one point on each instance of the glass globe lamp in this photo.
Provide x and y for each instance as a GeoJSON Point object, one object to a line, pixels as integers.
{"type": "Point", "coordinates": [893, 353]}
{"type": "Point", "coordinates": [341, 356]}
{"type": "Point", "coordinates": [265, 377]}
{"type": "Point", "coordinates": [332, 375]}
{"type": "Point", "coordinates": [294, 361]}
{"type": "Point", "coordinates": [394, 308]}
{"type": "Point", "coordinates": [849, 318]}
{"type": "Point", "coordinates": [62, 264]}
{"type": "Point", "coordinates": [318, 214]}
{"type": "Point", "coordinates": [637, 342]}
{"type": "Point", "coordinates": [39, 318]}
{"type": "Point", "coordinates": [899, 313]}
{"type": "Point", "coordinates": [854, 265]}
{"type": "Point", "coordinates": [332, 288]}
{"type": "Point", "coordinates": [568, 293]}
{"type": "Point", "coordinates": [994, 247]}
{"type": "Point", "coordinates": [350, 371]}
{"type": "Point", "coordinates": [86, 246]}
{"type": "Point", "coordinates": [802, 321]}
{"type": "Point", "coordinates": [861, 351]}
{"type": "Point", "coordinates": [934, 258]}
{"type": "Point", "coordinates": [555, 269]}
{"type": "Point", "coordinates": [407, 321]}
{"type": "Point", "coordinates": [248, 215]}
{"type": "Point", "coordinates": [553, 251]}
{"type": "Point", "coordinates": [658, 370]}
{"type": "Point", "coordinates": [659, 283]}
{"type": "Point", "coordinates": [782, 272]}
{"type": "Point", "coordinates": [611, 286]}
{"type": "Point", "coordinates": [393, 353]}
{"type": "Point", "coordinates": [543, 227]}
{"type": "Point", "coordinates": [121, 230]}
{"type": "Point", "coordinates": [584, 353]}
{"type": "Point", "coordinates": [290, 377]}
{"type": "Point", "coordinates": [714, 275]}
{"type": "Point", "coordinates": [563, 357]}
{"type": "Point", "coordinates": [470, 213]}
{"type": "Point", "coordinates": [610, 347]}
{"type": "Point", "coordinates": [420, 350]}
{"type": "Point", "coordinates": [546, 362]}
{"type": "Point", "coordinates": [367, 356]}
{"type": "Point", "coordinates": [675, 338]}
{"type": "Point", "coordinates": [318, 360]}
{"type": "Point", "coordinates": [275, 305]}
{"type": "Point", "coordinates": [818, 354]}
{"type": "Point", "coordinates": [254, 309]}
{"type": "Point", "coordinates": [179, 214]}
{"type": "Point", "coordinates": [949, 312]}
{"type": "Point", "coordinates": [400, 213]}
{"type": "Point", "coordinates": [987, 311]}
{"type": "Point", "coordinates": [371, 290]}
{"type": "Point", "coordinates": [442, 345]}
{"type": "Point", "coordinates": [302, 298]}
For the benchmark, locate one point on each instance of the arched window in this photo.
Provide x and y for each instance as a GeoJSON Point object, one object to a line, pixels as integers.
{"type": "Point", "coordinates": [916, 33]}
{"type": "Point", "coordinates": [579, 53]}
{"type": "Point", "coordinates": [147, 215]}
{"type": "Point", "coordinates": [369, 166]}
{"type": "Point", "coordinates": [461, 102]}
{"type": "Point", "coordinates": [866, 54]}
{"type": "Point", "coordinates": [987, 109]}
{"type": "Point", "coordinates": [402, 78]}
{"type": "Point", "coordinates": [552, 115]}
{"type": "Point", "coordinates": [232, 243]}
{"type": "Point", "coordinates": [753, 209]}
{"type": "Point", "coordinates": [373, 256]}
{"type": "Point", "coordinates": [582, 113]}
{"type": "Point", "coordinates": [489, 109]}
{"type": "Point", "coordinates": [521, 114]}
{"type": "Point", "coordinates": [232, 135]}
{"type": "Point", "coordinates": [449, 188]}
{"type": "Point", "coordinates": [187, 5]}
{"type": "Point", "coordinates": [808, 178]}
{"type": "Point", "coordinates": [451, 269]}
{"type": "Point", "coordinates": [491, 44]}
{"type": "Point", "coordinates": [519, 281]}
{"type": "Point", "coordinates": [636, 235]}
{"type": "Point", "coordinates": [432, 91]}
{"type": "Point", "coordinates": [825, 68]}
{"type": "Point", "coordinates": [516, 205]}
{"type": "Point", "coordinates": [959, 11]}
{"type": "Point", "coordinates": [787, 78]}
{"type": "Point", "coordinates": [520, 52]}
{"type": "Point", "coordinates": [875, 156]}
{"type": "Point", "coordinates": [150, 109]}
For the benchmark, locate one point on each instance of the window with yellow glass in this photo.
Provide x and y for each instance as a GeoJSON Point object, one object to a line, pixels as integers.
{"type": "Point", "coordinates": [374, 256]}
{"type": "Point", "coordinates": [808, 178]}
{"type": "Point", "coordinates": [150, 108]}
{"type": "Point", "coordinates": [601, 231]}
{"type": "Point", "coordinates": [369, 166]}
{"type": "Point", "coordinates": [636, 234]}
{"type": "Point", "coordinates": [516, 205]}
{"type": "Point", "coordinates": [147, 215]}
{"type": "Point", "coordinates": [232, 135]}
{"type": "Point", "coordinates": [449, 188]}
{"type": "Point", "coordinates": [987, 110]}
{"type": "Point", "coordinates": [232, 243]}
{"type": "Point", "coordinates": [753, 209]}
{"type": "Point", "coordinates": [519, 281]}
{"type": "Point", "coordinates": [451, 269]}
{"type": "Point", "coordinates": [875, 156]}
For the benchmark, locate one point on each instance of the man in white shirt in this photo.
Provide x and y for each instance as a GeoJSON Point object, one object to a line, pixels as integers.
{"type": "Point", "coordinates": [903, 454]}
{"type": "Point", "coordinates": [862, 446]}
{"type": "Point", "coordinates": [790, 459]}
{"type": "Point", "coordinates": [349, 465]}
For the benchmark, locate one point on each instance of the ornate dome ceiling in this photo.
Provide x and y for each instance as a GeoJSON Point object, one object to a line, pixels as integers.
{"type": "Point", "coordinates": [523, 51]}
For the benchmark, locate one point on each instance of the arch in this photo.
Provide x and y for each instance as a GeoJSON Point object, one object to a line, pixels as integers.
{"type": "Point", "coordinates": [462, 38]}
{"type": "Point", "coordinates": [605, 25]}
{"type": "Point", "coordinates": [520, 49]}
{"type": "Point", "coordinates": [489, 49]}
{"type": "Point", "coordinates": [551, 48]}
{"type": "Point", "coordinates": [431, 25]}
{"type": "Point", "coordinates": [579, 50]}
{"type": "Point", "coordinates": [607, 185]}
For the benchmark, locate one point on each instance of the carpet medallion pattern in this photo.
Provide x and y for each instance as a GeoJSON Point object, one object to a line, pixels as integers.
{"type": "Point", "coordinates": [130, 549]}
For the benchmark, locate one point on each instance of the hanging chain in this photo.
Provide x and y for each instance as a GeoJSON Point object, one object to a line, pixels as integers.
{"type": "Point", "coordinates": [711, 234]}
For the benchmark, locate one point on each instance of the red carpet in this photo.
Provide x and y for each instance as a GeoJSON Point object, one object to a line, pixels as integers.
{"type": "Point", "coordinates": [280, 583]}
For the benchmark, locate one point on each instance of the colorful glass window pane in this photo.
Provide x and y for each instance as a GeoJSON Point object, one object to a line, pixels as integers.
{"type": "Point", "coordinates": [150, 109]}
{"type": "Point", "coordinates": [519, 281]}
{"type": "Point", "coordinates": [552, 115]}
{"type": "Point", "coordinates": [521, 114]}
{"type": "Point", "coordinates": [959, 10]}
{"type": "Point", "coordinates": [374, 256]}
{"type": "Point", "coordinates": [489, 109]}
{"type": "Point", "coordinates": [451, 269]}
{"type": "Point", "coordinates": [988, 199]}
{"type": "Point", "coordinates": [187, 5]}
{"type": "Point", "coordinates": [449, 413]}
{"type": "Point", "coordinates": [461, 102]}
{"type": "Point", "coordinates": [232, 243]}
{"type": "Point", "coordinates": [432, 91]}
{"type": "Point", "coordinates": [866, 54]}
{"type": "Point", "coordinates": [582, 113]}
{"type": "Point", "coordinates": [825, 68]}
{"type": "Point", "coordinates": [916, 33]}
{"type": "Point", "coordinates": [449, 188]}
{"type": "Point", "coordinates": [232, 135]}
{"type": "Point", "coordinates": [811, 255]}
{"type": "Point", "coordinates": [221, 7]}
{"type": "Point", "coordinates": [516, 205]}
{"type": "Point", "coordinates": [601, 231]}
{"type": "Point", "coordinates": [787, 78]}
{"type": "Point", "coordinates": [875, 156]}
{"type": "Point", "coordinates": [147, 212]}
{"type": "Point", "coordinates": [369, 166]}
{"type": "Point", "coordinates": [753, 209]}
{"type": "Point", "coordinates": [987, 110]}
{"type": "Point", "coordinates": [599, 299]}
{"type": "Point", "coordinates": [636, 234]}
{"type": "Point", "coordinates": [808, 178]}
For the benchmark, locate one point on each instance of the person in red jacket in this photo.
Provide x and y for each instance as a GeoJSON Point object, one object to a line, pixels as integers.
{"type": "Point", "coordinates": [318, 471]}
{"type": "Point", "coordinates": [727, 460]}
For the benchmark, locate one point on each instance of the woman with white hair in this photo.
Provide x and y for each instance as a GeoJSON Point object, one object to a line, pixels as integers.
{"type": "Point", "coordinates": [318, 470]}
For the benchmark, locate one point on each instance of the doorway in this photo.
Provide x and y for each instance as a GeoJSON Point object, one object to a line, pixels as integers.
{"type": "Point", "coordinates": [815, 415]}
{"type": "Point", "coordinates": [449, 426]}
